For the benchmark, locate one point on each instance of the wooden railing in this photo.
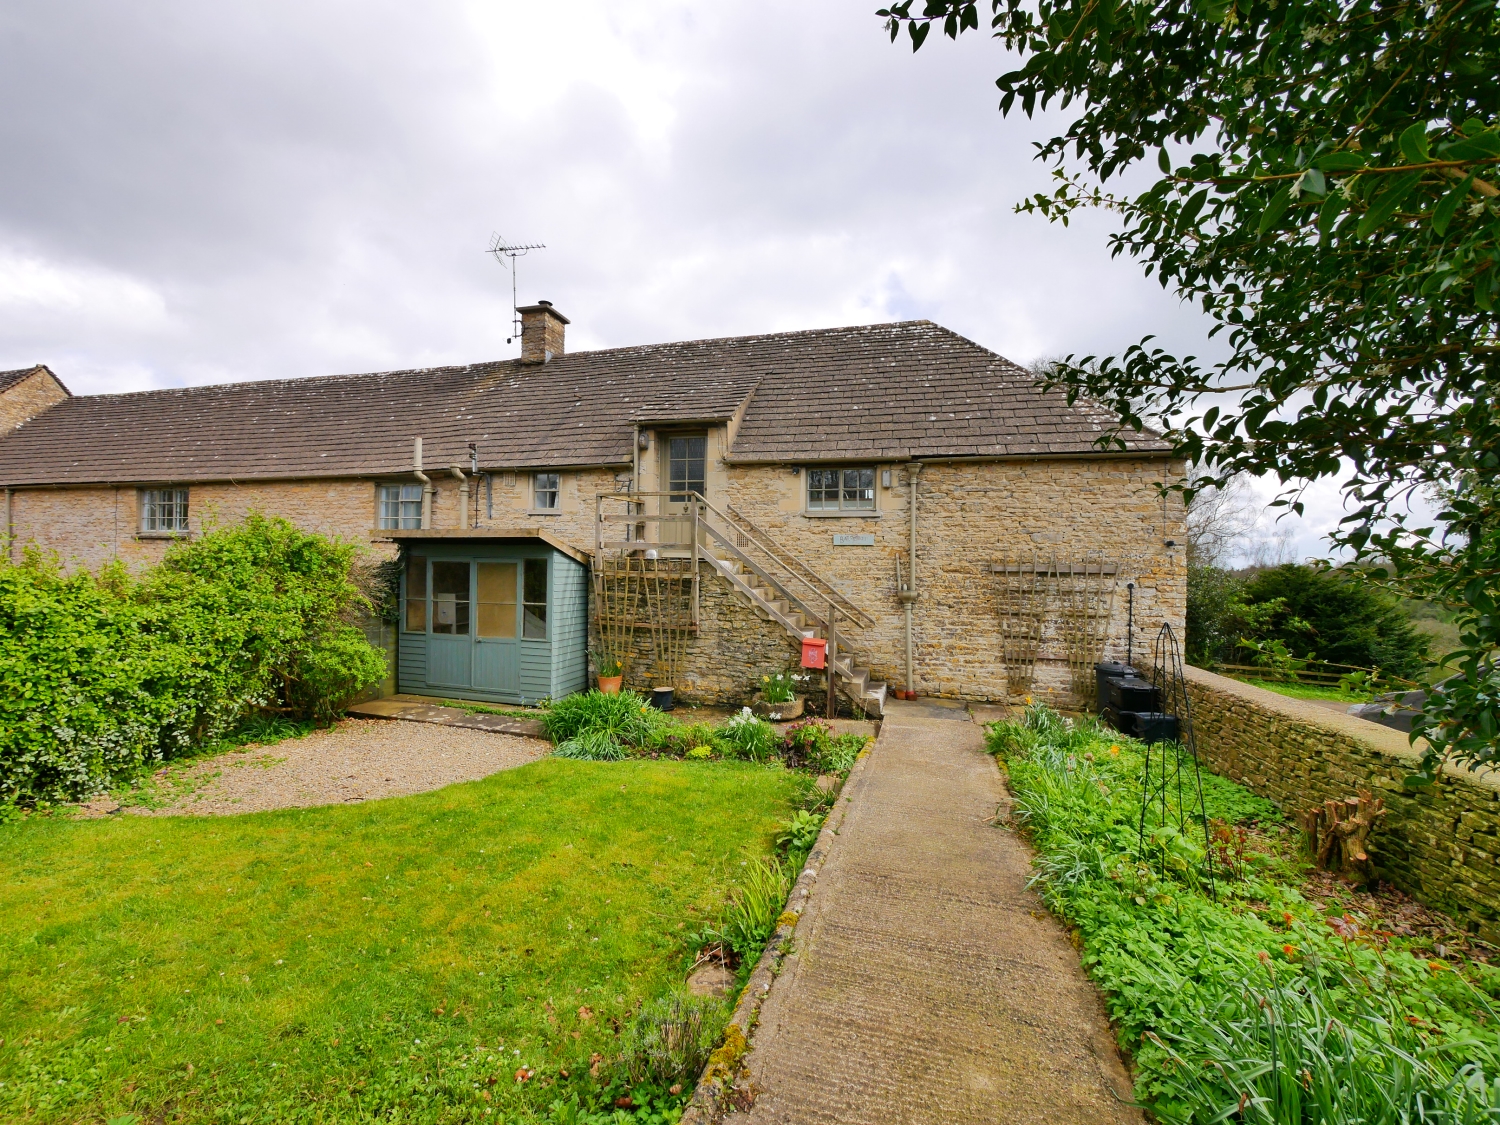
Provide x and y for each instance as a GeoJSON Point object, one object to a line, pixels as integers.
{"type": "Point", "coordinates": [817, 590]}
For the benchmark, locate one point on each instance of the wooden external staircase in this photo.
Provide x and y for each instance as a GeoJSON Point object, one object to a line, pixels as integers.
{"type": "Point", "coordinates": [776, 584]}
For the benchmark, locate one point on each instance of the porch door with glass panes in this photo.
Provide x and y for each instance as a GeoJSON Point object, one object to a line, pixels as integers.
{"type": "Point", "coordinates": [497, 658]}
{"type": "Point", "coordinates": [685, 472]}
{"type": "Point", "coordinates": [450, 644]}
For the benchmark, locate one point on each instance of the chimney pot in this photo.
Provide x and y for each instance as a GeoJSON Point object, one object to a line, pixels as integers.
{"type": "Point", "coordinates": [542, 329]}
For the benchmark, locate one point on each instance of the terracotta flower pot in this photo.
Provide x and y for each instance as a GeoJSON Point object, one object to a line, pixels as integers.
{"type": "Point", "coordinates": [610, 685]}
{"type": "Point", "coordinates": [784, 712]}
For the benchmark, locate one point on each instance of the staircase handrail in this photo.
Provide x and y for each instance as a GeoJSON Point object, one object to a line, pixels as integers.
{"type": "Point", "coordinates": [820, 586]}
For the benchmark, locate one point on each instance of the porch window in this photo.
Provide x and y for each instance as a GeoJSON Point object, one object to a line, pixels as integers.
{"type": "Point", "coordinates": [450, 598]}
{"type": "Point", "coordinates": [534, 600]}
{"type": "Point", "coordinates": [164, 509]}
{"type": "Point", "coordinates": [400, 506]}
{"type": "Point", "coordinates": [835, 490]}
{"type": "Point", "coordinates": [544, 491]}
{"type": "Point", "coordinates": [416, 595]}
{"type": "Point", "coordinates": [497, 600]}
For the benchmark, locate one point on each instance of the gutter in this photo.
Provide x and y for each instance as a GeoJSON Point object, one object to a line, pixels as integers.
{"type": "Point", "coordinates": [943, 459]}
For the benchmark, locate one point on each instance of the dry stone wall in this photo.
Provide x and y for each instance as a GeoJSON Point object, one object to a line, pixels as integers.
{"type": "Point", "coordinates": [1441, 845]}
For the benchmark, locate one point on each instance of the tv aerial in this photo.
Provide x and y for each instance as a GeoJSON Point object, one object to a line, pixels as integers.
{"type": "Point", "coordinates": [502, 250]}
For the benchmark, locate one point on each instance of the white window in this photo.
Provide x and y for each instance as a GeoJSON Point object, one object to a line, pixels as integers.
{"type": "Point", "coordinates": [164, 509]}
{"type": "Point", "coordinates": [834, 490]}
{"type": "Point", "coordinates": [400, 506]}
{"type": "Point", "coordinates": [544, 491]}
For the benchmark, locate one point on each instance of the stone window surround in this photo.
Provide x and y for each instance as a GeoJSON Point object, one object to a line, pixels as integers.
{"type": "Point", "coordinates": [142, 532]}
{"type": "Point", "coordinates": [556, 509]}
{"type": "Point", "coordinates": [384, 484]}
{"type": "Point", "coordinates": [874, 513]}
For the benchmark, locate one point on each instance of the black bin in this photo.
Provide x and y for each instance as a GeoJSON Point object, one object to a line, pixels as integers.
{"type": "Point", "coordinates": [1103, 673]}
{"type": "Point", "coordinates": [1130, 693]}
{"type": "Point", "coordinates": [1148, 726]}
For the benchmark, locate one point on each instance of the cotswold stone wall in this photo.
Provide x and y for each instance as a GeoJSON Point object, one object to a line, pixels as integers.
{"type": "Point", "coordinates": [1441, 845]}
{"type": "Point", "coordinates": [726, 658]}
{"type": "Point", "coordinates": [971, 514]}
{"type": "Point", "coordinates": [88, 527]}
{"type": "Point", "coordinates": [28, 398]}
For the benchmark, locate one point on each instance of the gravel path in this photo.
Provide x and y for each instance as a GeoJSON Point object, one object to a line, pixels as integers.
{"type": "Point", "coordinates": [356, 760]}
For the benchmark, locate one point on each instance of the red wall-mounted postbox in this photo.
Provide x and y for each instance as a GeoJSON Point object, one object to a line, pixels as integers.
{"type": "Point", "coordinates": [814, 652]}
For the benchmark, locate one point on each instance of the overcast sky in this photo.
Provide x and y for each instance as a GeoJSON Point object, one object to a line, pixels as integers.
{"type": "Point", "coordinates": [200, 193]}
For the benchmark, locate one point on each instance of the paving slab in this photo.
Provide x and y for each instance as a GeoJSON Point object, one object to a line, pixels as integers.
{"type": "Point", "coordinates": [421, 711]}
{"type": "Point", "coordinates": [927, 983]}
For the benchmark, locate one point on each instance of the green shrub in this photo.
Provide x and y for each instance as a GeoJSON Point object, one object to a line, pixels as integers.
{"type": "Point", "coordinates": [107, 673]}
{"type": "Point", "coordinates": [798, 836]}
{"type": "Point", "coordinates": [671, 1037]}
{"type": "Point", "coordinates": [747, 737]}
{"type": "Point", "coordinates": [805, 742]}
{"type": "Point", "coordinates": [593, 744]}
{"type": "Point", "coordinates": [627, 718]}
{"type": "Point", "coordinates": [1240, 1004]}
{"type": "Point", "coordinates": [837, 755]}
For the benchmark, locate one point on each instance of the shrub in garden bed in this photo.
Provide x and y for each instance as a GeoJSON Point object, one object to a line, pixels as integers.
{"type": "Point", "coordinates": [1238, 999]}
{"type": "Point", "coordinates": [105, 674]}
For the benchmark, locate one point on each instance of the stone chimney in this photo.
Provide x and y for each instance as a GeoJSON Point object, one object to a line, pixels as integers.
{"type": "Point", "coordinates": [542, 329]}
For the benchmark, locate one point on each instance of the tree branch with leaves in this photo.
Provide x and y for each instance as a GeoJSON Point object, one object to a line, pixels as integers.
{"type": "Point", "coordinates": [1325, 192]}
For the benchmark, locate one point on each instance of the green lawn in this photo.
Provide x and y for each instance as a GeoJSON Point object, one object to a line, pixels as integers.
{"type": "Point", "coordinates": [399, 959]}
{"type": "Point", "coordinates": [1310, 691]}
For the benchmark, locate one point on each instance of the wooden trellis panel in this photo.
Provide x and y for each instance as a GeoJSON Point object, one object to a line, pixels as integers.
{"type": "Point", "coordinates": [1075, 597]}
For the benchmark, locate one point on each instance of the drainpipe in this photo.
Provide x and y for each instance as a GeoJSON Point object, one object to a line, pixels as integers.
{"type": "Point", "coordinates": [10, 524]}
{"type": "Point", "coordinates": [463, 495]}
{"type": "Point", "coordinates": [908, 594]}
{"type": "Point", "coordinates": [428, 489]}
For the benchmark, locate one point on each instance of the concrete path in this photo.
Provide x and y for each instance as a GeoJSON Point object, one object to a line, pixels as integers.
{"type": "Point", "coordinates": [927, 984]}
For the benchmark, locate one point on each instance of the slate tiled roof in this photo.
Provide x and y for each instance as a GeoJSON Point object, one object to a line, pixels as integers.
{"type": "Point", "coordinates": [884, 392]}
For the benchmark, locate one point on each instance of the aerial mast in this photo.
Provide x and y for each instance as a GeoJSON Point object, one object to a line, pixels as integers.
{"type": "Point", "coordinates": [502, 250]}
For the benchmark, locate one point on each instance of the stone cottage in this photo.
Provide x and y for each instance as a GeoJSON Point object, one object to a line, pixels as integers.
{"type": "Point", "coordinates": [963, 530]}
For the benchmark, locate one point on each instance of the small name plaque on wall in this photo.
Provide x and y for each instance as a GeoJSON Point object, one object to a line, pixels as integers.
{"type": "Point", "coordinates": [865, 540]}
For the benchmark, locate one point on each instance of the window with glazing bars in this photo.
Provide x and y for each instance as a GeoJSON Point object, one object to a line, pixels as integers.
{"type": "Point", "coordinates": [401, 506]}
{"type": "Point", "coordinates": [840, 490]}
{"type": "Point", "coordinates": [164, 509]}
{"type": "Point", "coordinates": [544, 491]}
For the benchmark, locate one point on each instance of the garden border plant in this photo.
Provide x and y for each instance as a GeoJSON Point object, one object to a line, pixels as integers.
{"type": "Point", "coordinates": [108, 674]}
{"type": "Point", "coordinates": [1253, 1007]}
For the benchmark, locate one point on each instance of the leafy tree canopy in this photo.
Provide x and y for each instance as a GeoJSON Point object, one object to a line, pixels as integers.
{"type": "Point", "coordinates": [1324, 188]}
{"type": "Point", "coordinates": [1340, 619]}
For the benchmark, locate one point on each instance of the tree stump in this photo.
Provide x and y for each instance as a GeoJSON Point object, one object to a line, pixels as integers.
{"type": "Point", "coordinates": [1338, 833]}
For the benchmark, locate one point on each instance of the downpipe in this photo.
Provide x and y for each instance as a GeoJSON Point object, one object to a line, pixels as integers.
{"type": "Point", "coordinates": [907, 594]}
{"type": "Point", "coordinates": [428, 488]}
{"type": "Point", "coordinates": [463, 495]}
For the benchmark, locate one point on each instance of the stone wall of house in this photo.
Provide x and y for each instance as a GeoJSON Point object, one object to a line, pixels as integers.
{"type": "Point", "coordinates": [28, 398]}
{"type": "Point", "coordinates": [971, 514]}
{"type": "Point", "coordinates": [1441, 845]}
{"type": "Point", "coordinates": [91, 526]}
{"type": "Point", "coordinates": [731, 650]}
{"type": "Point", "coordinates": [88, 527]}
